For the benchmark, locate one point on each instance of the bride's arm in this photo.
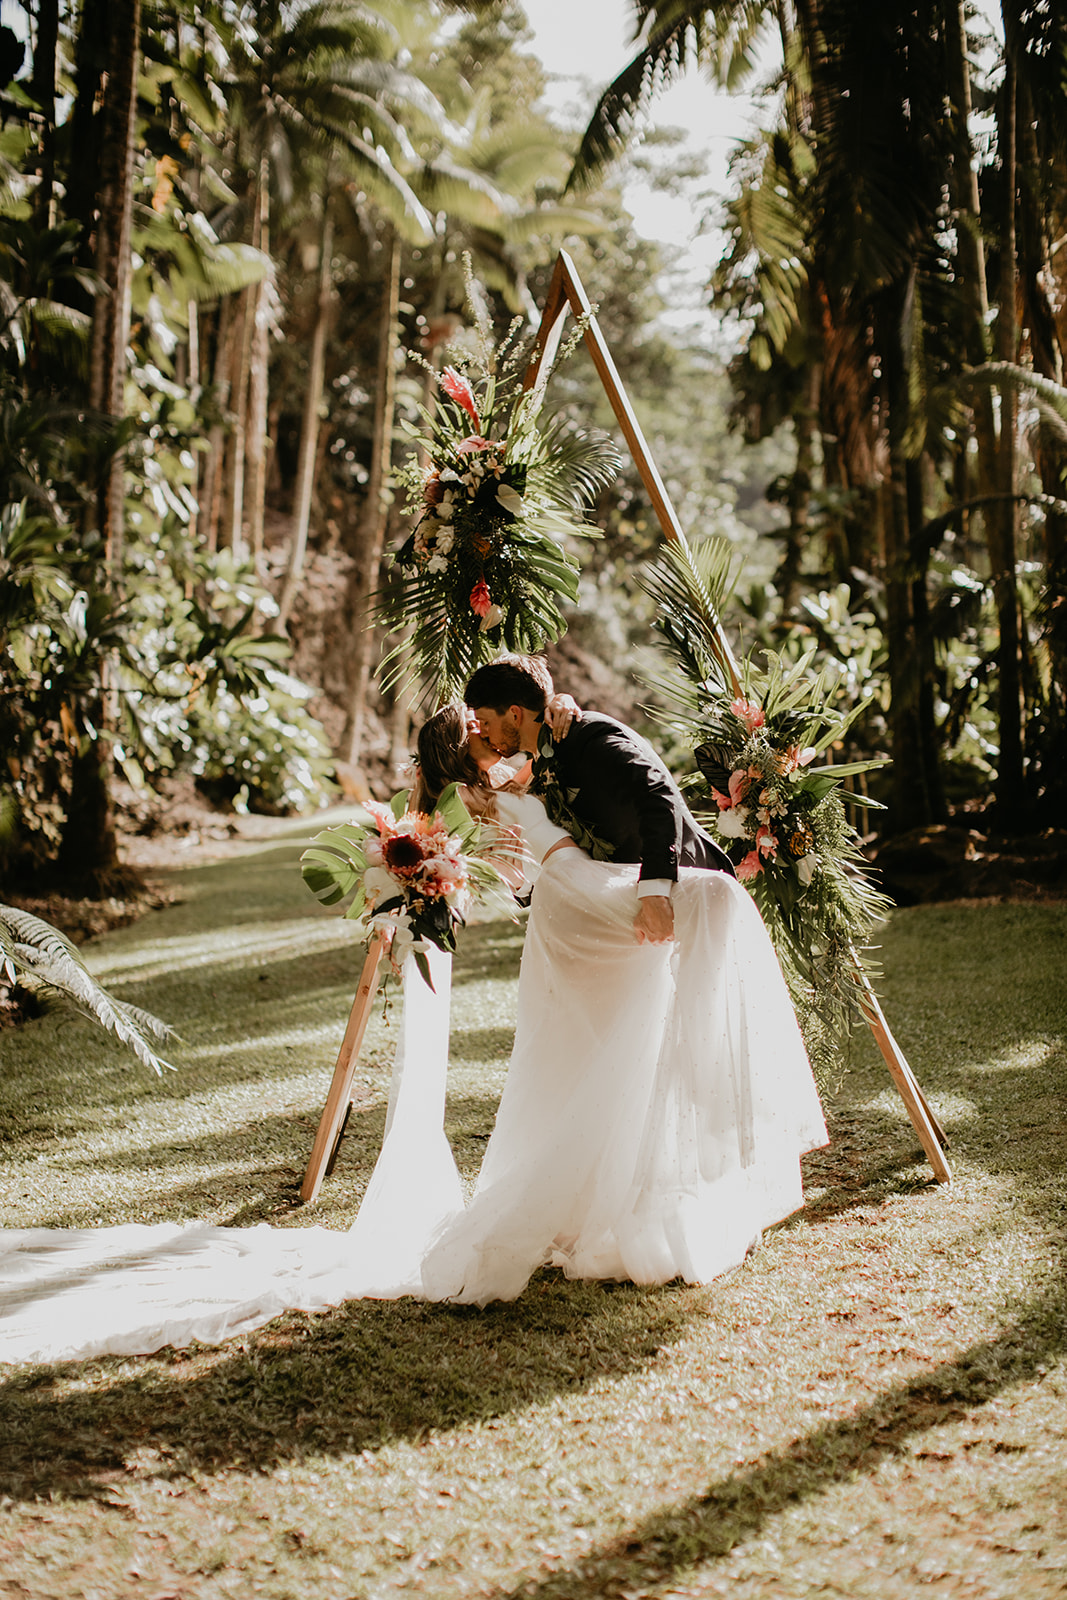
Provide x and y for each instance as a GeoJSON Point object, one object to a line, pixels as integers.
{"type": "Point", "coordinates": [560, 711]}
{"type": "Point", "coordinates": [508, 852]}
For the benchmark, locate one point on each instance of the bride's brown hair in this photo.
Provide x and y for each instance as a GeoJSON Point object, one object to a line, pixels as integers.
{"type": "Point", "coordinates": [444, 757]}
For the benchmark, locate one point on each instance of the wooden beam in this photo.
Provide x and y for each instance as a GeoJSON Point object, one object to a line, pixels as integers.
{"type": "Point", "coordinates": [331, 1123]}
{"type": "Point", "coordinates": [566, 290]}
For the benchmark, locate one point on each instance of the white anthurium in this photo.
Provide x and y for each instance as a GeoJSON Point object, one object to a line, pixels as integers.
{"type": "Point", "coordinates": [511, 500]}
{"type": "Point", "coordinates": [492, 619]}
{"type": "Point", "coordinates": [806, 867]}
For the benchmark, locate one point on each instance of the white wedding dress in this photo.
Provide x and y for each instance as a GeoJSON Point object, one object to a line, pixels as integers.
{"type": "Point", "coordinates": [657, 1104]}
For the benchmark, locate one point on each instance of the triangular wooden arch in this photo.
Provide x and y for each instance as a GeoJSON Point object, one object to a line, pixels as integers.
{"type": "Point", "coordinates": [566, 293]}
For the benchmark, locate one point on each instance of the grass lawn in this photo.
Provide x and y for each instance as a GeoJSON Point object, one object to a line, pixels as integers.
{"type": "Point", "coordinates": [874, 1405]}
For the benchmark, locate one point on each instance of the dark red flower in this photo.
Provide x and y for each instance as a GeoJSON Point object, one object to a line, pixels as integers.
{"type": "Point", "coordinates": [403, 854]}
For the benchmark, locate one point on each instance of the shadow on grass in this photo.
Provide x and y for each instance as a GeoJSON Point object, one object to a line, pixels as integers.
{"type": "Point", "coordinates": [732, 1510]}
{"type": "Point", "coordinates": [357, 1378]}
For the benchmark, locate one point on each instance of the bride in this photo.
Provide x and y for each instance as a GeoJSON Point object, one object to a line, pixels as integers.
{"type": "Point", "coordinates": [657, 1103]}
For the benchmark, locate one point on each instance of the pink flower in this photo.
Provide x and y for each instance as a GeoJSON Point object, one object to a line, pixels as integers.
{"type": "Point", "coordinates": [382, 815]}
{"type": "Point", "coordinates": [471, 445]}
{"type": "Point", "coordinates": [747, 712]}
{"type": "Point", "coordinates": [457, 388]}
{"type": "Point", "coordinates": [766, 843]}
{"type": "Point", "coordinates": [750, 867]}
{"type": "Point", "coordinates": [481, 599]}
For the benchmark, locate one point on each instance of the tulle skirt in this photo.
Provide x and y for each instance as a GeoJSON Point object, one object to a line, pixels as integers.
{"type": "Point", "coordinates": [658, 1098]}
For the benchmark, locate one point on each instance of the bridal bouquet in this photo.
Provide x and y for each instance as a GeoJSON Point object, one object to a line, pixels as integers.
{"type": "Point", "coordinates": [496, 493]}
{"type": "Point", "coordinates": [775, 808]}
{"type": "Point", "coordinates": [412, 878]}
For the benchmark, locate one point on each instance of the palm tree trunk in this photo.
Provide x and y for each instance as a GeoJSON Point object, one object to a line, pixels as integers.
{"type": "Point", "coordinates": [238, 435]}
{"type": "Point", "coordinates": [89, 849]}
{"type": "Point", "coordinates": [918, 798]}
{"type": "Point", "coordinates": [309, 428]}
{"type": "Point", "coordinates": [1001, 535]}
{"type": "Point", "coordinates": [255, 492]}
{"type": "Point", "coordinates": [43, 90]}
{"type": "Point", "coordinates": [212, 489]}
{"type": "Point", "coordinates": [371, 537]}
{"type": "Point", "coordinates": [111, 320]}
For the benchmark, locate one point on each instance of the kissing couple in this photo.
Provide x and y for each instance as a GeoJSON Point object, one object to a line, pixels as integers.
{"type": "Point", "coordinates": [658, 1096]}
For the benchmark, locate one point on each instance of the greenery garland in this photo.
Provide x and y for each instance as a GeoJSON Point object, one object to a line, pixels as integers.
{"type": "Point", "coordinates": [772, 805]}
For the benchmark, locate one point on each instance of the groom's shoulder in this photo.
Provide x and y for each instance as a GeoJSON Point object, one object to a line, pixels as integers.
{"type": "Point", "coordinates": [595, 725]}
{"type": "Point", "coordinates": [595, 728]}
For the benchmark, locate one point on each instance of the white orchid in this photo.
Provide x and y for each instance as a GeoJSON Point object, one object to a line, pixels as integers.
{"type": "Point", "coordinates": [379, 884]}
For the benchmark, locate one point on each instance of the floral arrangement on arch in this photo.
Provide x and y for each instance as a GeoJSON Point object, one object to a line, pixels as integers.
{"type": "Point", "coordinates": [412, 878]}
{"type": "Point", "coordinates": [772, 804]}
{"type": "Point", "coordinates": [497, 494]}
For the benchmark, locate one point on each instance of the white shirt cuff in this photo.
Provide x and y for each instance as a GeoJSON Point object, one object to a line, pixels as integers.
{"type": "Point", "coordinates": [647, 886]}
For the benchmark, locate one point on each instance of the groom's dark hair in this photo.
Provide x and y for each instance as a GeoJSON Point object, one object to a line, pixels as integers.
{"type": "Point", "coordinates": [512, 681]}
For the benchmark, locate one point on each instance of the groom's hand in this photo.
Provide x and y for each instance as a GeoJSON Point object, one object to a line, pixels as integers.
{"type": "Point", "coordinates": [654, 922]}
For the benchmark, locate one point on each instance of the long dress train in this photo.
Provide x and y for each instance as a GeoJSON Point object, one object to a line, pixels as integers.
{"type": "Point", "coordinates": [656, 1106]}
{"type": "Point", "coordinates": [71, 1293]}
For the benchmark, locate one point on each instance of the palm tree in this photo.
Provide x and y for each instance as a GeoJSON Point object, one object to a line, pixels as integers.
{"type": "Point", "coordinates": [324, 78]}
{"type": "Point", "coordinates": [37, 957]}
{"type": "Point", "coordinates": [864, 313]}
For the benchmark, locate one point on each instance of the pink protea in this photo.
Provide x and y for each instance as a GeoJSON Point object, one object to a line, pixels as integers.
{"type": "Point", "coordinates": [747, 712]}
{"type": "Point", "coordinates": [458, 388]}
{"type": "Point", "coordinates": [382, 815]}
{"type": "Point", "coordinates": [481, 599]}
{"type": "Point", "coordinates": [750, 867]}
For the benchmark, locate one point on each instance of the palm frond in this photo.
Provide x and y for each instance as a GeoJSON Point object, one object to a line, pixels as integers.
{"type": "Point", "coordinates": [34, 953]}
{"type": "Point", "coordinates": [691, 586]}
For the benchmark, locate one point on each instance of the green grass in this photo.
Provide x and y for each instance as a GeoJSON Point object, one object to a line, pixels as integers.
{"type": "Point", "coordinates": [875, 1405]}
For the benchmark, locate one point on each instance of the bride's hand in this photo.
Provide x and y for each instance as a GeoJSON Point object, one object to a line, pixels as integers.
{"type": "Point", "coordinates": [560, 712]}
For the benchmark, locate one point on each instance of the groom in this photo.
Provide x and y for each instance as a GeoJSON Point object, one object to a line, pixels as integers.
{"type": "Point", "coordinates": [602, 782]}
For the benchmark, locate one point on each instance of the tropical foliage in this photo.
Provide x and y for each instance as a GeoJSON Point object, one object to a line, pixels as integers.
{"type": "Point", "coordinates": [487, 565]}
{"type": "Point", "coordinates": [892, 234]}
{"type": "Point", "coordinates": [204, 217]}
{"type": "Point", "coordinates": [39, 958]}
{"type": "Point", "coordinates": [760, 732]}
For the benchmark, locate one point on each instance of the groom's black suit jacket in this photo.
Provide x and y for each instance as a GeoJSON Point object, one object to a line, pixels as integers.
{"type": "Point", "coordinates": [626, 796]}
